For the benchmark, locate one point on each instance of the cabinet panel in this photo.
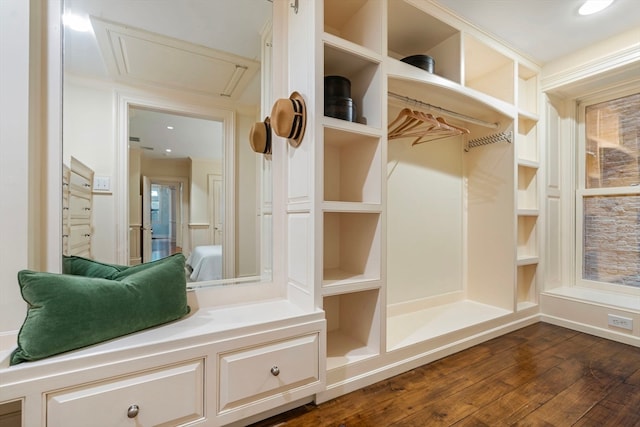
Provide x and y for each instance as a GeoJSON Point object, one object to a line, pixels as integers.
{"type": "Point", "coordinates": [169, 396]}
{"type": "Point", "coordinates": [254, 373]}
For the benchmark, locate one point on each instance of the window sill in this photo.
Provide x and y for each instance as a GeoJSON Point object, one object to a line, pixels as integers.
{"type": "Point", "coordinates": [595, 296]}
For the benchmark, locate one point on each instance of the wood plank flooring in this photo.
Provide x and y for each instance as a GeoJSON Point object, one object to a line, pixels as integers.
{"type": "Point", "coordinates": [541, 375]}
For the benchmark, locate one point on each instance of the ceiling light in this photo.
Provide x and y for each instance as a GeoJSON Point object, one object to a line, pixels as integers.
{"type": "Point", "coordinates": [168, 150]}
{"type": "Point", "coordinates": [593, 6]}
{"type": "Point", "coordinates": [170, 127]}
{"type": "Point", "coordinates": [76, 22]}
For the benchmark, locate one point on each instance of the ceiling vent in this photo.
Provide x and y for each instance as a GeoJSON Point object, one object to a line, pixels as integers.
{"type": "Point", "coordinates": [135, 56]}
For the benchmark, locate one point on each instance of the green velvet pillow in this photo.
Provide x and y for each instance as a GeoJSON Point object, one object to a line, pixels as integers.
{"type": "Point", "coordinates": [67, 312]}
{"type": "Point", "coordinates": [80, 266]}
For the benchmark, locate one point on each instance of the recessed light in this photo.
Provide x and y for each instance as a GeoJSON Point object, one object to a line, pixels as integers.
{"type": "Point", "coordinates": [170, 127]}
{"type": "Point", "coordinates": [593, 6]}
{"type": "Point", "coordinates": [168, 150]}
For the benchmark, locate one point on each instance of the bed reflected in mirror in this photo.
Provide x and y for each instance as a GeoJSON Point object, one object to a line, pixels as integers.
{"type": "Point", "coordinates": [158, 100]}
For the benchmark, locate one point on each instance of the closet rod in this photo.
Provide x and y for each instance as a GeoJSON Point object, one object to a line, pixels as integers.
{"type": "Point", "coordinates": [444, 111]}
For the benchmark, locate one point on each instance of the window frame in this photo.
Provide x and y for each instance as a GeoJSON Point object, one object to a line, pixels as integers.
{"type": "Point", "coordinates": [581, 192]}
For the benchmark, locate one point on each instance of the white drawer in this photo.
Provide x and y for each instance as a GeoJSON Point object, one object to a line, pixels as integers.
{"type": "Point", "coordinates": [79, 207]}
{"type": "Point", "coordinates": [251, 374]}
{"type": "Point", "coordinates": [169, 396]}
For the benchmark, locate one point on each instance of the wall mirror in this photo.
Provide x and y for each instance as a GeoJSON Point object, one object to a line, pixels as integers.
{"type": "Point", "coordinates": [158, 99]}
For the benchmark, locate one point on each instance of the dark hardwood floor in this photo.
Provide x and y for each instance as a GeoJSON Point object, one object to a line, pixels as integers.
{"type": "Point", "coordinates": [541, 375]}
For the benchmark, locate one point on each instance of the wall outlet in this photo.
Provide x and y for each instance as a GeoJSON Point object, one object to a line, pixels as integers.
{"type": "Point", "coordinates": [620, 322]}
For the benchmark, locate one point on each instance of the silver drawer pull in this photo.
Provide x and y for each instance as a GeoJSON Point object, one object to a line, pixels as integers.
{"type": "Point", "coordinates": [275, 371]}
{"type": "Point", "coordinates": [133, 410]}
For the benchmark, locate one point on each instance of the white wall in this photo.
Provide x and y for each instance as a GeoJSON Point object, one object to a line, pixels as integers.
{"type": "Point", "coordinates": [14, 162]}
{"type": "Point", "coordinates": [424, 246]}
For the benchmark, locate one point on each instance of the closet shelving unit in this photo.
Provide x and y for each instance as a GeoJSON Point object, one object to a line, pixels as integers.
{"type": "Point", "coordinates": [529, 187]}
{"type": "Point", "coordinates": [455, 252]}
{"type": "Point", "coordinates": [352, 185]}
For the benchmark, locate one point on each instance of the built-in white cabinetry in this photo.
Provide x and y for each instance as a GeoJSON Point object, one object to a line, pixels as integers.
{"type": "Point", "coordinates": [529, 186]}
{"type": "Point", "coordinates": [353, 179]}
{"type": "Point", "coordinates": [214, 367]}
{"type": "Point", "coordinates": [169, 395]}
{"type": "Point", "coordinates": [423, 245]}
{"type": "Point", "coordinates": [77, 209]}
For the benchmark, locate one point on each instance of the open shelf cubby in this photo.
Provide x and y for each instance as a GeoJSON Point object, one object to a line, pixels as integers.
{"type": "Point", "coordinates": [353, 327]}
{"type": "Point", "coordinates": [412, 31]}
{"type": "Point", "coordinates": [351, 247]}
{"type": "Point", "coordinates": [527, 239]}
{"type": "Point", "coordinates": [352, 167]}
{"type": "Point", "coordinates": [527, 187]}
{"type": "Point", "coordinates": [527, 140]}
{"type": "Point", "coordinates": [527, 285]}
{"type": "Point", "coordinates": [527, 90]}
{"type": "Point", "coordinates": [364, 74]}
{"type": "Point", "coordinates": [358, 21]}
{"type": "Point", "coordinates": [487, 70]}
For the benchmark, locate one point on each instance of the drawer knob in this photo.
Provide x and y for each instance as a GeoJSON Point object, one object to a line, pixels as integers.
{"type": "Point", "coordinates": [133, 410]}
{"type": "Point", "coordinates": [275, 371]}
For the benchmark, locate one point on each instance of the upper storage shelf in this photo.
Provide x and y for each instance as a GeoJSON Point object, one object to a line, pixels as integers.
{"type": "Point", "coordinates": [470, 75]}
{"type": "Point", "coordinates": [411, 31]}
{"type": "Point", "coordinates": [487, 70]}
{"type": "Point", "coordinates": [358, 21]}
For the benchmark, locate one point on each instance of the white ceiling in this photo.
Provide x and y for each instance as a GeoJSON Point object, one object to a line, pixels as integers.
{"type": "Point", "coordinates": [546, 30]}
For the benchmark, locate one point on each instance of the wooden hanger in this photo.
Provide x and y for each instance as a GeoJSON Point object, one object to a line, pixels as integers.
{"type": "Point", "coordinates": [461, 129]}
{"type": "Point", "coordinates": [424, 126]}
{"type": "Point", "coordinates": [409, 123]}
{"type": "Point", "coordinates": [405, 121]}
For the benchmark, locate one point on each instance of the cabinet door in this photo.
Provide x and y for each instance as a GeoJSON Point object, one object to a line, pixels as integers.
{"type": "Point", "coordinates": [169, 396]}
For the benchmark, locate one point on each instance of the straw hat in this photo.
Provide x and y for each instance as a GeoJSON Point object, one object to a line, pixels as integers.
{"type": "Point", "coordinates": [260, 136]}
{"type": "Point", "coordinates": [289, 118]}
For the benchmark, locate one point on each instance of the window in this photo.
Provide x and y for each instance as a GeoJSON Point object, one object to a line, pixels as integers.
{"type": "Point", "coordinates": [608, 194]}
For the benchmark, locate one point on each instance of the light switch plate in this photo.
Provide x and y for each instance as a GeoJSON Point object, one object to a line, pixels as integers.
{"type": "Point", "coordinates": [102, 183]}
